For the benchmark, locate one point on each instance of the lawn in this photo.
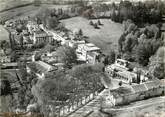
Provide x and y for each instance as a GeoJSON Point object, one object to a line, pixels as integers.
{"type": "Point", "coordinates": [106, 37]}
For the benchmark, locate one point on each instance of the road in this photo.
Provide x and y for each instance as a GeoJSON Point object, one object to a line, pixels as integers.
{"type": "Point", "coordinates": [90, 107]}
{"type": "Point", "coordinates": [95, 105]}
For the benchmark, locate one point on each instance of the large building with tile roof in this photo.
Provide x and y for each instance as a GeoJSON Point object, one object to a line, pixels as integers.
{"type": "Point", "coordinates": [125, 95]}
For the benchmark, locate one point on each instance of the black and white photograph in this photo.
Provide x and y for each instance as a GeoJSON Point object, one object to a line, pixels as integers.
{"type": "Point", "coordinates": [82, 58]}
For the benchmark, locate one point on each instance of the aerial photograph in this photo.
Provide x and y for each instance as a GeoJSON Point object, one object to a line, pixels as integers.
{"type": "Point", "coordinates": [82, 58]}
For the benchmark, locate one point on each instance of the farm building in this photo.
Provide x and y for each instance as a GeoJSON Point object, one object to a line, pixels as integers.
{"type": "Point", "coordinates": [124, 95]}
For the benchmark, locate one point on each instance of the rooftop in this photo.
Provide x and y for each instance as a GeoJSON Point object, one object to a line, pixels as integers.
{"type": "Point", "coordinates": [42, 34]}
{"type": "Point", "coordinates": [139, 88]}
{"type": "Point", "coordinates": [89, 47]}
{"type": "Point", "coordinates": [121, 91]}
{"type": "Point", "coordinates": [43, 67]}
{"type": "Point", "coordinates": [152, 84]}
{"type": "Point", "coordinates": [10, 64]}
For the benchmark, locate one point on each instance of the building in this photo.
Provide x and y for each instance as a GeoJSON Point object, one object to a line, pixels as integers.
{"type": "Point", "coordinates": [54, 34]}
{"type": "Point", "coordinates": [12, 65]}
{"type": "Point", "coordinates": [42, 37]}
{"type": "Point", "coordinates": [87, 52]}
{"type": "Point", "coordinates": [73, 43]}
{"type": "Point", "coordinates": [32, 27]}
{"type": "Point", "coordinates": [126, 95]}
{"type": "Point", "coordinates": [124, 71]}
{"type": "Point", "coordinates": [40, 68]}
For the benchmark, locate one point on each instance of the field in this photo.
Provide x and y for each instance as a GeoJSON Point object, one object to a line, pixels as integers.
{"type": "Point", "coordinates": [7, 4]}
{"type": "Point", "coordinates": [106, 37]}
{"type": "Point", "coordinates": [29, 10]}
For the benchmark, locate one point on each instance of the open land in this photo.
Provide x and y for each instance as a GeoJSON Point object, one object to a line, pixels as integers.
{"type": "Point", "coordinates": [29, 10]}
{"type": "Point", "coordinates": [106, 37]}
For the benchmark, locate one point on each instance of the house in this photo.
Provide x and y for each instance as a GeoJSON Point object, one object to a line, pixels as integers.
{"type": "Point", "coordinates": [125, 95]}
{"type": "Point", "coordinates": [92, 57]}
{"type": "Point", "coordinates": [87, 52]}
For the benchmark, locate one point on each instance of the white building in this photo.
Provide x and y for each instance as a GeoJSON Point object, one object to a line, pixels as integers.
{"type": "Point", "coordinates": [83, 51]}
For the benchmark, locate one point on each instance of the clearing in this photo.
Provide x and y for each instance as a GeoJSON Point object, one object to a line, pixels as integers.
{"type": "Point", "coordinates": [106, 37]}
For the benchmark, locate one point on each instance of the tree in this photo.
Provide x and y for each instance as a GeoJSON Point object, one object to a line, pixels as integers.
{"type": "Point", "coordinates": [4, 45]}
{"type": "Point", "coordinates": [23, 71]}
{"type": "Point", "coordinates": [110, 58]}
{"type": "Point", "coordinates": [120, 83]}
{"type": "Point", "coordinates": [67, 55]}
{"type": "Point", "coordinates": [14, 56]}
{"type": "Point", "coordinates": [156, 65]}
{"type": "Point", "coordinates": [121, 41]}
{"type": "Point", "coordinates": [143, 54]}
{"type": "Point", "coordinates": [80, 32]}
{"type": "Point", "coordinates": [130, 42]}
{"type": "Point", "coordinates": [145, 50]}
{"type": "Point", "coordinates": [96, 26]}
{"type": "Point", "coordinates": [99, 22]}
{"type": "Point", "coordinates": [52, 22]}
{"type": "Point", "coordinates": [19, 28]}
{"type": "Point", "coordinates": [48, 48]}
{"type": "Point", "coordinates": [37, 56]}
{"type": "Point", "coordinates": [88, 75]}
{"type": "Point", "coordinates": [91, 23]}
{"type": "Point", "coordinates": [53, 91]}
{"type": "Point", "coordinates": [5, 85]}
{"type": "Point", "coordinates": [21, 40]}
{"type": "Point", "coordinates": [37, 2]}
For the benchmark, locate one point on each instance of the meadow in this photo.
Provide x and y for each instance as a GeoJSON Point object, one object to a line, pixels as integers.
{"type": "Point", "coordinates": [106, 37]}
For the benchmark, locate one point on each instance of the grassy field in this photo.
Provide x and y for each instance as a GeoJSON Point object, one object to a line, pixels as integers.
{"type": "Point", "coordinates": [7, 4]}
{"type": "Point", "coordinates": [29, 10]}
{"type": "Point", "coordinates": [106, 37]}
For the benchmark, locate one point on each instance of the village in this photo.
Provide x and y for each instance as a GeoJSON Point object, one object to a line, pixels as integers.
{"type": "Point", "coordinates": [51, 69]}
